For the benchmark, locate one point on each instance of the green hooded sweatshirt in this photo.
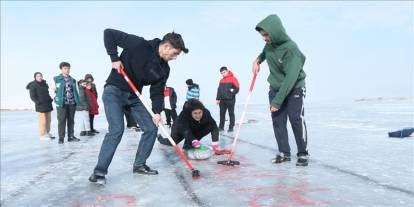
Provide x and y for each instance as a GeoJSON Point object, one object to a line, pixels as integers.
{"type": "Point", "coordinates": [284, 58]}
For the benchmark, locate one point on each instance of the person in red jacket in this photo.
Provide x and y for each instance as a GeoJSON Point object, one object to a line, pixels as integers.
{"type": "Point", "coordinates": [94, 110]}
{"type": "Point", "coordinates": [226, 96]}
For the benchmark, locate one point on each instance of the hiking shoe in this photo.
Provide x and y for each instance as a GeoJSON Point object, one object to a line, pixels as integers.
{"type": "Point", "coordinates": [73, 139]}
{"type": "Point", "coordinates": [302, 161]}
{"type": "Point", "coordinates": [144, 170]}
{"type": "Point", "coordinates": [97, 179]}
{"type": "Point", "coordinates": [282, 157]}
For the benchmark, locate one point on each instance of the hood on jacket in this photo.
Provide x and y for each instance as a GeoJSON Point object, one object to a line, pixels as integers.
{"type": "Point", "coordinates": [89, 76]}
{"type": "Point", "coordinates": [230, 79]}
{"type": "Point", "coordinates": [273, 25]}
{"type": "Point", "coordinates": [34, 82]}
{"type": "Point", "coordinates": [229, 74]}
{"type": "Point", "coordinates": [191, 105]}
{"type": "Point", "coordinates": [195, 85]}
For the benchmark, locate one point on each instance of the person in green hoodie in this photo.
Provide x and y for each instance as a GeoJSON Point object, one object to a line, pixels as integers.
{"type": "Point", "coordinates": [287, 87]}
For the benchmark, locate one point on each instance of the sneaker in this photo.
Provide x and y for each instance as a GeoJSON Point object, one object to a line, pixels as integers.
{"type": "Point", "coordinates": [97, 179]}
{"type": "Point", "coordinates": [302, 161]}
{"type": "Point", "coordinates": [282, 157]}
{"type": "Point", "coordinates": [73, 139]}
{"type": "Point", "coordinates": [51, 136]}
{"type": "Point", "coordinates": [94, 131]}
{"type": "Point", "coordinates": [82, 133]}
{"type": "Point", "coordinates": [144, 170]}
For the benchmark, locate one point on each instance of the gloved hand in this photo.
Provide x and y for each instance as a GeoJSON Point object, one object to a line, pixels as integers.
{"type": "Point", "coordinates": [214, 147]}
{"type": "Point", "coordinates": [196, 143]}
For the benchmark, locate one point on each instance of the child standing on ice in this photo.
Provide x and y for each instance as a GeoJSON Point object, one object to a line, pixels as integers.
{"type": "Point", "coordinates": [94, 104]}
{"type": "Point", "coordinates": [85, 104]}
{"type": "Point", "coordinates": [93, 93]}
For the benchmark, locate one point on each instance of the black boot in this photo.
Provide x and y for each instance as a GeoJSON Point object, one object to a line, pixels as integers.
{"type": "Point", "coordinates": [97, 179]}
{"type": "Point", "coordinates": [60, 140]}
{"type": "Point", "coordinates": [90, 133]}
{"type": "Point", "coordinates": [82, 133]}
{"type": "Point", "coordinates": [144, 170]}
{"type": "Point", "coordinates": [94, 131]}
{"type": "Point", "coordinates": [302, 161]}
{"type": "Point", "coordinates": [73, 139]}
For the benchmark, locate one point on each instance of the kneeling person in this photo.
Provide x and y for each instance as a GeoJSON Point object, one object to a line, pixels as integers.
{"type": "Point", "coordinates": [194, 123]}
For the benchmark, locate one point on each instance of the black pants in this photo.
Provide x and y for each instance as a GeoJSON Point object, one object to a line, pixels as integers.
{"type": "Point", "coordinates": [292, 108]}
{"type": "Point", "coordinates": [91, 118]}
{"type": "Point", "coordinates": [66, 115]}
{"type": "Point", "coordinates": [189, 136]}
{"type": "Point", "coordinates": [224, 106]}
{"type": "Point", "coordinates": [170, 113]}
{"type": "Point", "coordinates": [129, 118]}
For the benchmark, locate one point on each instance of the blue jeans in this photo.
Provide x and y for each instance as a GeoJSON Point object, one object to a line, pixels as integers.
{"type": "Point", "coordinates": [115, 100]}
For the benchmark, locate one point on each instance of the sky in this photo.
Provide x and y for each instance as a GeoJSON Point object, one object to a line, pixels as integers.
{"type": "Point", "coordinates": [353, 49]}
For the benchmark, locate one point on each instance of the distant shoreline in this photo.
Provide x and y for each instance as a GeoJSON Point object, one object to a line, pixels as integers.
{"type": "Point", "coordinates": [385, 99]}
{"type": "Point", "coordinates": [13, 110]}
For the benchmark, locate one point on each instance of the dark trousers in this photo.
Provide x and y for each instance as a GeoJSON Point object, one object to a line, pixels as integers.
{"type": "Point", "coordinates": [66, 115]}
{"type": "Point", "coordinates": [179, 135]}
{"type": "Point", "coordinates": [294, 109]}
{"type": "Point", "coordinates": [170, 113]}
{"type": "Point", "coordinates": [91, 118]}
{"type": "Point", "coordinates": [129, 118]}
{"type": "Point", "coordinates": [224, 106]}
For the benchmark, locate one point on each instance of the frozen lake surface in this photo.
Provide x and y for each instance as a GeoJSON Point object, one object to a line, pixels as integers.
{"type": "Point", "coordinates": [352, 163]}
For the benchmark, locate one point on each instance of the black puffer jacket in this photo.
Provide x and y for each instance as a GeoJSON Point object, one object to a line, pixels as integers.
{"type": "Point", "coordinates": [39, 93]}
{"type": "Point", "coordinates": [185, 121]}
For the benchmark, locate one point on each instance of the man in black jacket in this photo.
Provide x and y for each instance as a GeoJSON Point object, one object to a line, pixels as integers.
{"type": "Point", "coordinates": [193, 123]}
{"type": "Point", "coordinates": [226, 97]}
{"type": "Point", "coordinates": [146, 63]}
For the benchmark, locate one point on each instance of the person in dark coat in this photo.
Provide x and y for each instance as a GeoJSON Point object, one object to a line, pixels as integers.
{"type": "Point", "coordinates": [193, 123]}
{"type": "Point", "coordinates": [39, 93]}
